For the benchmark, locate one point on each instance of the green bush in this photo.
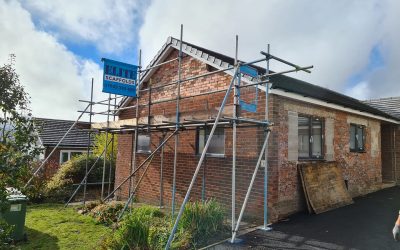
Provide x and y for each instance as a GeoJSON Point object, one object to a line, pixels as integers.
{"type": "Point", "coordinates": [106, 213]}
{"type": "Point", "coordinates": [134, 230]}
{"type": "Point", "coordinates": [36, 191]}
{"type": "Point", "coordinates": [6, 231]}
{"type": "Point", "coordinates": [147, 228]}
{"type": "Point", "coordinates": [72, 172]}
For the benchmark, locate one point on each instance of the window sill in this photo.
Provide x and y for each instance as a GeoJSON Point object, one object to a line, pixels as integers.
{"type": "Point", "coordinates": [311, 159]}
{"type": "Point", "coordinates": [213, 155]}
{"type": "Point", "coordinates": [143, 152]}
{"type": "Point", "coordinates": [358, 151]}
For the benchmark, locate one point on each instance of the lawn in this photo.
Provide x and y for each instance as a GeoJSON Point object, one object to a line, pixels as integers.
{"type": "Point", "coordinates": [50, 226]}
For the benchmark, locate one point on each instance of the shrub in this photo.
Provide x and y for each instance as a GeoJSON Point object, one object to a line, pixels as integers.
{"type": "Point", "coordinates": [6, 231]}
{"type": "Point", "coordinates": [106, 213]}
{"type": "Point", "coordinates": [202, 220]}
{"type": "Point", "coordinates": [36, 191]}
{"type": "Point", "coordinates": [147, 228]}
{"type": "Point", "coordinates": [73, 171]}
{"type": "Point", "coordinates": [134, 230]}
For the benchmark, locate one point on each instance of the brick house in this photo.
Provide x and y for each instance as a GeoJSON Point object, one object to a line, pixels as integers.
{"type": "Point", "coordinates": [50, 132]}
{"type": "Point", "coordinates": [390, 138]}
{"type": "Point", "coordinates": [311, 124]}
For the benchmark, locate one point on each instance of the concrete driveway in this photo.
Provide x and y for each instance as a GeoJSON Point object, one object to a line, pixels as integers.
{"type": "Point", "coordinates": [366, 224]}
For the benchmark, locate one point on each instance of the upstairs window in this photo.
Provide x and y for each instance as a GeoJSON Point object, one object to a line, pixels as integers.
{"type": "Point", "coordinates": [217, 144]}
{"type": "Point", "coordinates": [143, 143]}
{"type": "Point", "coordinates": [310, 132]}
{"type": "Point", "coordinates": [357, 138]}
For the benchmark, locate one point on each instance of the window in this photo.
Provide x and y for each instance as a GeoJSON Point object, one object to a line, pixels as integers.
{"type": "Point", "coordinates": [66, 155]}
{"type": "Point", "coordinates": [217, 144]}
{"type": "Point", "coordinates": [143, 143]}
{"type": "Point", "coordinates": [310, 132]}
{"type": "Point", "coordinates": [357, 138]}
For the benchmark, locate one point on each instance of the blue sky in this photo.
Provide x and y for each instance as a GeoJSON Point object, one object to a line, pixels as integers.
{"type": "Point", "coordinates": [375, 61]}
{"type": "Point", "coordinates": [353, 45]}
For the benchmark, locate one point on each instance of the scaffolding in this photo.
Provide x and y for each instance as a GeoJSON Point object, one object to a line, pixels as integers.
{"type": "Point", "coordinates": [170, 129]}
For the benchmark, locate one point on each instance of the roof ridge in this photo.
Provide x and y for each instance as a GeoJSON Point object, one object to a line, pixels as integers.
{"type": "Point", "coordinates": [54, 119]}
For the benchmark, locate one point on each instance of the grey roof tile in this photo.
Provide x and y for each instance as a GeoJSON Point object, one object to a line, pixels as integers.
{"type": "Point", "coordinates": [51, 131]}
{"type": "Point", "coordinates": [390, 105]}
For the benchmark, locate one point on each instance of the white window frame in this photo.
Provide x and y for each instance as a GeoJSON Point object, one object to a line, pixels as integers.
{"type": "Point", "coordinates": [69, 151]}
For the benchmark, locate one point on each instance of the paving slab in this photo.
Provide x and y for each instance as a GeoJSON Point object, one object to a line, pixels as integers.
{"type": "Point", "coordinates": [366, 224]}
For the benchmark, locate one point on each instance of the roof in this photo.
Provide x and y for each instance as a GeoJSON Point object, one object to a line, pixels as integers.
{"type": "Point", "coordinates": [283, 82]}
{"type": "Point", "coordinates": [51, 131]}
{"type": "Point", "coordinates": [390, 105]}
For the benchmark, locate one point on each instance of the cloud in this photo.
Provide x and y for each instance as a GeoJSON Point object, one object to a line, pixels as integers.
{"type": "Point", "coordinates": [110, 25]}
{"type": "Point", "coordinates": [54, 77]}
{"type": "Point", "coordinates": [335, 36]}
{"type": "Point", "coordinates": [360, 91]}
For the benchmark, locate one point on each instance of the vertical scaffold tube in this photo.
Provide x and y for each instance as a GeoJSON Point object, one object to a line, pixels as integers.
{"type": "Point", "coordinates": [178, 96]}
{"type": "Point", "coordinates": [106, 147]}
{"type": "Point", "coordinates": [265, 227]}
{"type": "Point", "coordinates": [235, 111]}
{"type": "Point", "coordinates": [89, 141]}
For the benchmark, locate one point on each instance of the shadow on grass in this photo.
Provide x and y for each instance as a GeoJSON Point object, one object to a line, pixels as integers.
{"type": "Point", "coordinates": [38, 240]}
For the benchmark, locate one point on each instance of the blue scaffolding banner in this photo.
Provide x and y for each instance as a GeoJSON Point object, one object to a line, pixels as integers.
{"type": "Point", "coordinates": [119, 78]}
{"type": "Point", "coordinates": [247, 70]}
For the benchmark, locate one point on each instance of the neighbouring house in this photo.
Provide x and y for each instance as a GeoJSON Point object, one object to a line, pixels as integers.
{"type": "Point", "coordinates": [50, 132]}
{"type": "Point", "coordinates": [390, 139]}
{"type": "Point", "coordinates": [311, 124]}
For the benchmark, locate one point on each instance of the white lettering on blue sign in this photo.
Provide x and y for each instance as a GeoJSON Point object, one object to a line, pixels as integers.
{"type": "Point", "coordinates": [119, 78]}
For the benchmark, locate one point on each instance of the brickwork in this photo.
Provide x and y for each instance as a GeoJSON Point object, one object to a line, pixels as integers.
{"type": "Point", "coordinates": [362, 171]}
{"type": "Point", "coordinates": [285, 196]}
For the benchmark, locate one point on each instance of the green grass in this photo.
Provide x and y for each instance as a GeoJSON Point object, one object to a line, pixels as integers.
{"type": "Point", "coordinates": [50, 226]}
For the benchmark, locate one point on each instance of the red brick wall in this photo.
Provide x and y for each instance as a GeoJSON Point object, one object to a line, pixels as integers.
{"type": "Point", "coordinates": [362, 170]}
{"type": "Point", "coordinates": [53, 164]}
{"type": "Point", "coordinates": [285, 193]}
{"type": "Point", "coordinates": [218, 169]}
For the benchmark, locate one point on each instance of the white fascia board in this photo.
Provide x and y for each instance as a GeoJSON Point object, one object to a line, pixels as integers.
{"type": "Point", "coordinates": [329, 105]}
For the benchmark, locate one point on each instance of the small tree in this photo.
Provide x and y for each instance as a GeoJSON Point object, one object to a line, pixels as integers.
{"type": "Point", "coordinates": [100, 143]}
{"type": "Point", "coordinates": [18, 143]}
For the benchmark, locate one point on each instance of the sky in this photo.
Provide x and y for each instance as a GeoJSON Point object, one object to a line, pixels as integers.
{"type": "Point", "coordinates": [58, 45]}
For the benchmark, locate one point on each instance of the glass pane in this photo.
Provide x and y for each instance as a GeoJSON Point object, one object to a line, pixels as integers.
{"type": "Point", "coordinates": [352, 137]}
{"type": "Point", "coordinates": [201, 141]}
{"type": "Point", "coordinates": [316, 138]}
{"type": "Point", "coordinates": [304, 137]}
{"type": "Point", "coordinates": [217, 144]}
{"type": "Point", "coordinates": [143, 143]}
{"type": "Point", "coordinates": [64, 157]}
{"type": "Point", "coordinates": [360, 138]}
{"type": "Point", "coordinates": [73, 154]}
